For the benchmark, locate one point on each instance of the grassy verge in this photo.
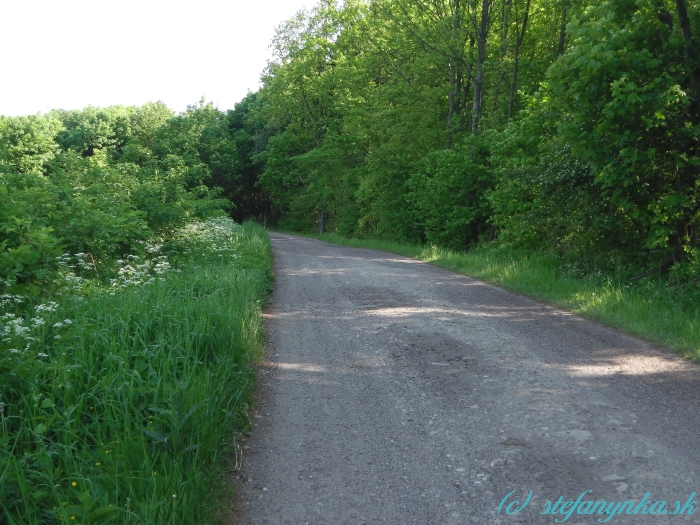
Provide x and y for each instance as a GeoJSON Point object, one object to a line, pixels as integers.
{"type": "Point", "coordinates": [658, 310]}
{"type": "Point", "coordinates": [118, 405]}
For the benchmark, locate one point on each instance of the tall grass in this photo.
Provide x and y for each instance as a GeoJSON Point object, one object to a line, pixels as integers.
{"type": "Point", "coordinates": [121, 404]}
{"type": "Point", "coordinates": [655, 308]}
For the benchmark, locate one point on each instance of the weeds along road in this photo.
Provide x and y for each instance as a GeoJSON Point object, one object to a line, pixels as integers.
{"type": "Point", "coordinates": [397, 392]}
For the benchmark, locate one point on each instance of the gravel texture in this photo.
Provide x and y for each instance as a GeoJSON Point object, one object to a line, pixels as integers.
{"type": "Point", "coordinates": [397, 392]}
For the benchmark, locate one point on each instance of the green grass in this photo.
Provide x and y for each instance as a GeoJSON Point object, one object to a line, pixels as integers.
{"type": "Point", "coordinates": [655, 309]}
{"type": "Point", "coordinates": [126, 413]}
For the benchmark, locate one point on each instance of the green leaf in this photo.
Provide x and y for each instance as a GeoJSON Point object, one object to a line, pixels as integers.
{"type": "Point", "coordinates": [102, 511]}
{"type": "Point", "coordinates": [158, 437]}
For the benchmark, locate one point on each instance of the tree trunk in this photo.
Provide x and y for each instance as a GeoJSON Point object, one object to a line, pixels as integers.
{"type": "Point", "coordinates": [451, 105]}
{"type": "Point", "coordinates": [468, 82]}
{"type": "Point", "coordinates": [505, 22]}
{"type": "Point", "coordinates": [684, 23]}
{"type": "Point", "coordinates": [481, 36]}
{"type": "Point", "coordinates": [516, 55]}
{"type": "Point", "coordinates": [454, 78]}
{"type": "Point", "coordinates": [688, 176]}
{"type": "Point", "coordinates": [319, 219]}
{"type": "Point", "coordinates": [562, 33]}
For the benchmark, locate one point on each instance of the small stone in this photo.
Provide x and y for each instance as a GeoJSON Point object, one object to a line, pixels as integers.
{"type": "Point", "coordinates": [512, 442]}
{"type": "Point", "coordinates": [622, 487]}
{"type": "Point", "coordinates": [612, 477]}
{"type": "Point", "coordinates": [497, 463]}
{"type": "Point", "coordinates": [577, 434]}
{"type": "Point", "coordinates": [615, 422]}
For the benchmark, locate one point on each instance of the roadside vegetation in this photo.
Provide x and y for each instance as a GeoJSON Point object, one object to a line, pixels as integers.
{"type": "Point", "coordinates": [661, 309]}
{"type": "Point", "coordinates": [119, 401]}
{"type": "Point", "coordinates": [129, 316]}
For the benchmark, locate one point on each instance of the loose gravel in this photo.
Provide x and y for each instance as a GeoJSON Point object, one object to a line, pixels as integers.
{"type": "Point", "coordinates": [397, 392]}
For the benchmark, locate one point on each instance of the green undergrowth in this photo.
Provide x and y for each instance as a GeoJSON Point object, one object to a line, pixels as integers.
{"type": "Point", "coordinates": [118, 404]}
{"type": "Point", "coordinates": [655, 308]}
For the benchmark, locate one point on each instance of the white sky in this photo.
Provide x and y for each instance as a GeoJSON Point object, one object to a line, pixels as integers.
{"type": "Point", "coordinates": [68, 54]}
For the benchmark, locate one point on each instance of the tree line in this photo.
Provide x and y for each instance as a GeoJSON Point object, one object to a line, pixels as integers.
{"type": "Point", "coordinates": [106, 183]}
{"type": "Point", "coordinates": [563, 126]}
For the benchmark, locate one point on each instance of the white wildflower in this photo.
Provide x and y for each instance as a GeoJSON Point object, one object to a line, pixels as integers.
{"type": "Point", "coordinates": [9, 298]}
{"type": "Point", "coordinates": [48, 307]}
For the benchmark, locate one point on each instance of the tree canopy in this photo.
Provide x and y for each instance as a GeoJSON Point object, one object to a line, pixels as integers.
{"type": "Point", "coordinates": [569, 127]}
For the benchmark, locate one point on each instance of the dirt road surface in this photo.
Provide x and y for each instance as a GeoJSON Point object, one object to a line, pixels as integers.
{"type": "Point", "coordinates": [396, 392]}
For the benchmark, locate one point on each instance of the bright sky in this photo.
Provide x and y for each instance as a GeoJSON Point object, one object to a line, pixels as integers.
{"type": "Point", "coordinates": [69, 54]}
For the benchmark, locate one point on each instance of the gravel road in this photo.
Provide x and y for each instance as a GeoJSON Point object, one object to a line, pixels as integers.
{"type": "Point", "coordinates": [396, 392]}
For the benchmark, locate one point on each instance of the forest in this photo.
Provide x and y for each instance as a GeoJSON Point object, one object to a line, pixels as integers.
{"type": "Point", "coordinates": [106, 182]}
{"type": "Point", "coordinates": [553, 126]}
{"type": "Point", "coordinates": [567, 128]}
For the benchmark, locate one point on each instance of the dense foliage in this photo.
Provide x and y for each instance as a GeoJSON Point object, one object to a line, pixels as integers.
{"type": "Point", "coordinates": [118, 399]}
{"type": "Point", "coordinates": [129, 311]}
{"type": "Point", "coordinates": [105, 182]}
{"type": "Point", "coordinates": [565, 127]}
